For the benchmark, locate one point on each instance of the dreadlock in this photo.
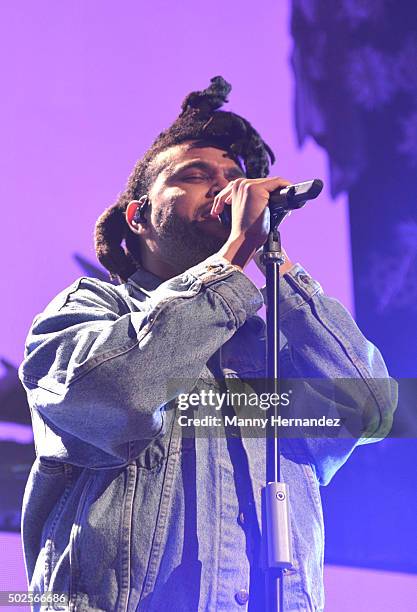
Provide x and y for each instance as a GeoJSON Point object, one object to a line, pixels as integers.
{"type": "Point", "coordinates": [200, 121]}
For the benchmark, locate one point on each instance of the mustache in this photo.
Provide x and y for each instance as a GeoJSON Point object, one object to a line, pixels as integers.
{"type": "Point", "coordinates": [203, 211]}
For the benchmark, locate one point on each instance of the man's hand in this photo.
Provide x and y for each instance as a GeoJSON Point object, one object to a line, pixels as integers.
{"type": "Point", "coordinates": [250, 216]}
{"type": "Point", "coordinates": [285, 267]}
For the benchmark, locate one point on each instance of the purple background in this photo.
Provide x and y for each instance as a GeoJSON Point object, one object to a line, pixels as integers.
{"type": "Point", "coordinates": [86, 88]}
{"type": "Point", "coordinates": [87, 85]}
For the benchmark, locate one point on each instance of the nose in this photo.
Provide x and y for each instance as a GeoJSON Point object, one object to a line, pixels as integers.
{"type": "Point", "coordinates": [219, 183]}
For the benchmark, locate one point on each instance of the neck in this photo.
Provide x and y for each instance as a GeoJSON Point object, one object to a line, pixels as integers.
{"type": "Point", "coordinates": [154, 263]}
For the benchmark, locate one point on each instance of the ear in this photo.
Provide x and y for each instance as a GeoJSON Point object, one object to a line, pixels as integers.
{"type": "Point", "coordinates": [131, 210]}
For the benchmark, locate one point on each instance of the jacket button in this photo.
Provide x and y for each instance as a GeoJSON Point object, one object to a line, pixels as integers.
{"type": "Point", "coordinates": [242, 597]}
{"type": "Point", "coordinates": [241, 518]}
{"type": "Point", "coordinates": [289, 571]}
{"type": "Point", "coordinates": [216, 268]}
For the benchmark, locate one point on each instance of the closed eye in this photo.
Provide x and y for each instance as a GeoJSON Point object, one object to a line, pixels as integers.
{"type": "Point", "coordinates": [195, 177]}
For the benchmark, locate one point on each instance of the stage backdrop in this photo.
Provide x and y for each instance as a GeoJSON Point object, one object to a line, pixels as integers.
{"type": "Point", "coordinates": [355, 69]}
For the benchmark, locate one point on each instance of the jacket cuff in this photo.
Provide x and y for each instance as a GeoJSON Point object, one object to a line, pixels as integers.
{"type": "Point", "coordinates": [296, 287]}
{"type": "Point", "coordinates": [213, 268]}
{"type": "Point", "coordinates": [229, 281]}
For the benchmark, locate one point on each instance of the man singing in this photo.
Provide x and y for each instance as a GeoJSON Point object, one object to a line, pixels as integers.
{"type": "Point", "coordinates": [122, 511]}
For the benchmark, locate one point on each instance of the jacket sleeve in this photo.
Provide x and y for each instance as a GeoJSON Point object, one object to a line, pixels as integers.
{"type": "Point", "coordinates": [343, 374]}
{"type": "Point", "coordinates": [97, 374]}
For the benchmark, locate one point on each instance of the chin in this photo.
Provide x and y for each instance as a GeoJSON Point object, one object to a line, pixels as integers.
{"type": "Point", "coordinates": [213, 227]}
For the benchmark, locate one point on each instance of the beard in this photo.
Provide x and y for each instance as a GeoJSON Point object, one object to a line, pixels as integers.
{"type": "Point", "coordinates": [186, 243]}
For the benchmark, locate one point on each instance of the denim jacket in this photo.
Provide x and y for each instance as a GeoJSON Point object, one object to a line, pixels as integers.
{"type": "Point", "coordinates": [121, 511]}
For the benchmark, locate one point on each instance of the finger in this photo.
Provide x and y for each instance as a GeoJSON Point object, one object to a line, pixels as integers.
{"type": "Point", "coordinates": [233, 187]}
{"type": "Point", "coordinates": [277, 181]}
{"type": "Point", "coordinates": [223, 193]}
{"type": "Point", "coordinates": [270, 183]}
{"type": "Point", "coordinates": [219, 200]}
{"type": "Point", "coordinates": [219, 206]}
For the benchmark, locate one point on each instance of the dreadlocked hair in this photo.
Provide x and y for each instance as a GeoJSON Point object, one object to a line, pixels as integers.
{"type": "Point", "coordinates": [201, 121]}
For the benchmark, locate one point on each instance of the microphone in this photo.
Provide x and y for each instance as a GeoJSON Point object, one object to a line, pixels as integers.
{"type": "Point", "coordinates": [283, 200]}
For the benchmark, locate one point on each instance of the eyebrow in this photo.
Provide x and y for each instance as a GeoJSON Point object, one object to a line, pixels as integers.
{"type": "Point", "coordinates": [206, 167]}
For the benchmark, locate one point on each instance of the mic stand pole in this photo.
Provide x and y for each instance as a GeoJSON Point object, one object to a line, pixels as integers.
{"type": "Point", "coordinates": [278, 538]}
{"type": "Point", "coordinates": [278, 541]}
{"type": "Point", "coordinates": [275, 493]}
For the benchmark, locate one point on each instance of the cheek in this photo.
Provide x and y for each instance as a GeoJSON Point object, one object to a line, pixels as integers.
{"type": "Point", "coordinates": [173, 200]}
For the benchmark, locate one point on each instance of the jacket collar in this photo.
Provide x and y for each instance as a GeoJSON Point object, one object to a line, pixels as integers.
{"type": "Point", "coordinates": [144, 280]}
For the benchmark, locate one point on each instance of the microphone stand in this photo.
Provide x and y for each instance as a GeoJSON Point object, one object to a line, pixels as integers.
{"type": "Point", "coordinates": [275, 493]}
{"type": "Point", "coordinates": [278, 540]}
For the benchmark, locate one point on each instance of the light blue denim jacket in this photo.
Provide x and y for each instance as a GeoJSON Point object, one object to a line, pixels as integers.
{"type": "Point", "coordinates": [121, 511]}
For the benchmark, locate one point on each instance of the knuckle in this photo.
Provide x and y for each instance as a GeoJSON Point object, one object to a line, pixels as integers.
{"type": "Point", "coordinates": [250, 187]}
{"type": "Point", "coordinates": [236, 183]}
{"type": "Point", "coordinates": [243, 184]}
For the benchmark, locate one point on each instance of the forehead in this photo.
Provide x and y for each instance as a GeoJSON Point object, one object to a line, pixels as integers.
{"type": "Point", "coordinates": [179, 154]}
